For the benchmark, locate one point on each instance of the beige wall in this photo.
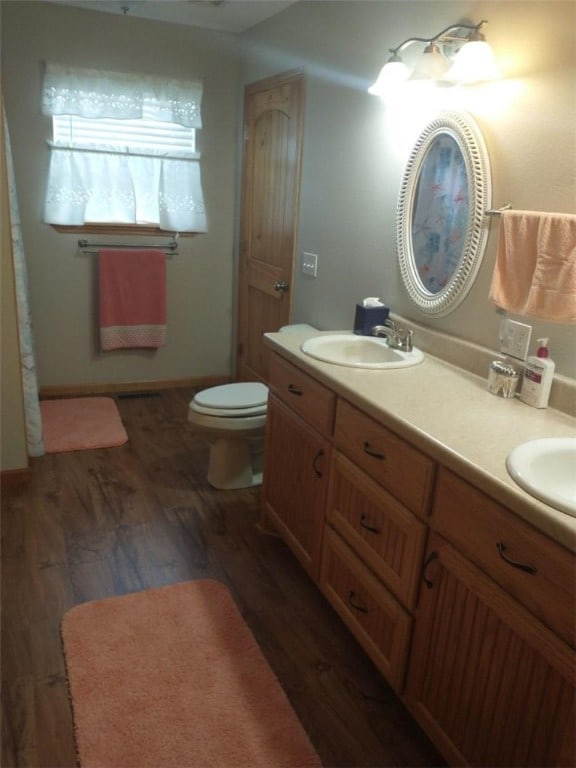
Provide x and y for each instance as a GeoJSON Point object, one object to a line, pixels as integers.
{"type": "Point", "coordinates": [355, 147]}
{"type": "Point", "coordinates": [354, 153]}
{"type": "Point", "coordinates": [62, 281]}
{"type": "Point", "coordinates": [13, 452]}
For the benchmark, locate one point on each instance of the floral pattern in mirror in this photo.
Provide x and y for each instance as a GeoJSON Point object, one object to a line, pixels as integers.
{"type": "Point", "coordinates": [440, 214]}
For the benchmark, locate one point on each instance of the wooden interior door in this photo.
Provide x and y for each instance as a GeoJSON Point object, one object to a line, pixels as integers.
{"type": "Point", "coordinates": [273, 117]}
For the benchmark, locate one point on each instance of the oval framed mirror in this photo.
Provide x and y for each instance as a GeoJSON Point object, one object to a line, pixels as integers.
{"type": "Point", "coordinates": [441, 226]}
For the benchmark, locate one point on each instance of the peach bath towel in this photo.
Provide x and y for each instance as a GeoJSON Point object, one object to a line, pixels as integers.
{"type": "Point", "coordinates": [535, 272]}
{"type": "Point", "coordinates": [132, 299]}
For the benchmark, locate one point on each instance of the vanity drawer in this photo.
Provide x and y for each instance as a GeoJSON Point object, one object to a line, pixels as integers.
{"type": "Point", "coordinates": [375, 618]}
{"type": "Point", "coordinates": [386, 536]}
{"type": "Point", "coordinates": [500, 543]}
{"type": "Point", "coordinates": [395, 464]}
{"type": "Point", "coordinates": [312, 400]}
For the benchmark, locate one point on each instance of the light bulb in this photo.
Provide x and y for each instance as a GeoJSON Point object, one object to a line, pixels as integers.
{"type": "Point", "coordinates": [392, 74]}
{"type": "Point", "coordinates": [474, 62]}
{"type": "Point", "coordinates": [432, 65]}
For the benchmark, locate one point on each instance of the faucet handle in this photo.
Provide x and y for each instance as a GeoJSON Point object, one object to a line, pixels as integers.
{"type": "Point", "coordinates": [407, 339]}
{"type": "Point", "coordinates": [390, 324]}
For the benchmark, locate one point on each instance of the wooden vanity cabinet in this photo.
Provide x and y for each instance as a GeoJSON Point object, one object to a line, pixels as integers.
{"type": "Point", "coordinates": [297, 460]}
{"type": "Point", "coordinates": [492, 666]}
{"type": "Point", "coordinates": [491, 685]}
{"type": "Point", "coordinates": [465, 608]}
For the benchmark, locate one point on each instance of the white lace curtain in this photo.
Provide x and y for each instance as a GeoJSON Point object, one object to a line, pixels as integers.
{"type": "Point", "coordinates": [114, 183]}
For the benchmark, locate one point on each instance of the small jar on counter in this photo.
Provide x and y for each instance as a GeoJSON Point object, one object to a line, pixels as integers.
{"type": "Point", "coordinates": [502, 379]}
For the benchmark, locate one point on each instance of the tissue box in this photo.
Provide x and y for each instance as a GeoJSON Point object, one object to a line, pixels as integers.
{"type": "Point", "coordinates": [367, 317]}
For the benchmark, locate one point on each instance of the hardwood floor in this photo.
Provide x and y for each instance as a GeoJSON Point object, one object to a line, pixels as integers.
{"type": "Point", "coordinates": [92, 524]}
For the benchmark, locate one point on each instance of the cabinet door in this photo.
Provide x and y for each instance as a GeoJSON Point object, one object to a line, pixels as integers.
{"type": "Point", "coordinates": [295, 485]}
{"type": "Point", "coordinates": [490, 684]}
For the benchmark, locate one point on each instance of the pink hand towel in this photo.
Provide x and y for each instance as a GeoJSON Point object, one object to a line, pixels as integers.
{"type": "Point", "coordinates": [535, 272]}
{"type": "Point", "coordinates": [132, 299]}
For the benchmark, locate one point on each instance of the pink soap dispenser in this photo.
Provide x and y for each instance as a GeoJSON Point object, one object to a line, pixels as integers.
{"type": "Point", "coordinates": [538, 377]}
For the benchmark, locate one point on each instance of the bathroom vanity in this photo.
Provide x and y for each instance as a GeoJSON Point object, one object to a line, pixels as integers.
{"type": "Point", "coordinates": [391, 489]}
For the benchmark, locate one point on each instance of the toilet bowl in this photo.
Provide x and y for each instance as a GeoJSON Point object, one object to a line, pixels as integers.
{"type": "Point", "coordinates": [232, 419]}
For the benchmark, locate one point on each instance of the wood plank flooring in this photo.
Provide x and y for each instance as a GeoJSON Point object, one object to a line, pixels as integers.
{"type": "Point", "coordinates": [92, 524]}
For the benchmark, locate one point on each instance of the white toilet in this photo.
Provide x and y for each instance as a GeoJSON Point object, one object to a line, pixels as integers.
{"type": "Point", "coordinates": [232, 418]}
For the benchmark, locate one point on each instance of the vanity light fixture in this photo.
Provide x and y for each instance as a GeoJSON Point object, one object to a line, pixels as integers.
{"type": "Point", "coordinates": [473, 60]}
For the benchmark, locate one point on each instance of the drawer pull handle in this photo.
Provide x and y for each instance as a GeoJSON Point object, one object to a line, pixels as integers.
{"type": "Point", "coordinates": [317, 458]}
{"type": "Point", "coordinates": [431, 557]}
{"type": "Point", "coordinates": [352, 599]}
{"type": "Point", "coordinates": [364, 524]}
{"type": "Point", "coordinates": [521, 566]}
{"type": "Point", "coordinates": [294, 390]}
{"type": "Point", "coordinates": [371, 452]}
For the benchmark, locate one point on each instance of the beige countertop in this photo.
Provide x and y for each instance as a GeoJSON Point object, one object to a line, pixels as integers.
{"type": "Point", "coordinates": [448, 414]}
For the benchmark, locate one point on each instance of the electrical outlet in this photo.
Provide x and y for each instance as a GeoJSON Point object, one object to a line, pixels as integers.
{"type": "Point", "coordinates": [515, 339]}
{"type": "Point", "coordinates": [310, 264]}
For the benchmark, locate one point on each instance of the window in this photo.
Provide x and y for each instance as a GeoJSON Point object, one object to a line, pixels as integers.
{"type": "Point", "coordinates": [139, 134]}
{"type": "Point", "coordinates": [123, 150]}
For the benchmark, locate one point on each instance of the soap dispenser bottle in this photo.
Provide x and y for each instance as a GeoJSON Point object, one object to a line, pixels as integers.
{"type": "Point", "coordinates": [538, 377]}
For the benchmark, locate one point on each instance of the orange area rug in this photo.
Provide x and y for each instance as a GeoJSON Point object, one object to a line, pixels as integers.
{"type": "Point", "coordinates": [81, 423]}
{"type": "Point", "coordinates": [173, 677]}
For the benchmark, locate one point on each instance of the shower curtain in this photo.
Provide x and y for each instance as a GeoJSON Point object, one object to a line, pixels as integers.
{"type": "Point", "coordinates": [27, 358]}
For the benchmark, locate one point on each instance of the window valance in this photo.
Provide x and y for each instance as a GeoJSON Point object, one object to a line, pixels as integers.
{"type": "Point", "coordinates": [96, 93]}
{"type": "Point", "coordinates": [123, 149]}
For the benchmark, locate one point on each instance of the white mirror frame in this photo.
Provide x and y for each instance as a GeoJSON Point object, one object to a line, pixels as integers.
{"type": "Point", "coordinates": [464, 131]}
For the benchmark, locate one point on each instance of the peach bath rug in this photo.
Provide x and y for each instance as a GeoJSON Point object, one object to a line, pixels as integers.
{"type": "Point", "coordinates": [81, 423]}
{"type": "Point", "coordinates": [173, 677]}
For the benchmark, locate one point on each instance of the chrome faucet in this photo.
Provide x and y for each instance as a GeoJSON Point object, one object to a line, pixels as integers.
{"type": "Point", "coordinates": [397, 337]}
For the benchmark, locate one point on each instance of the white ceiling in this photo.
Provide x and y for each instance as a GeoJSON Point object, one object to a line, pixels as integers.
{"type": "Point", "coordinates": [224, 15]}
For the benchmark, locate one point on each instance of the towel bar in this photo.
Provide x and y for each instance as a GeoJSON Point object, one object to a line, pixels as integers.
{"type": "Point", "coordinates": [498, 211]}
{"type": "Point", "coordinates": [170, 248]}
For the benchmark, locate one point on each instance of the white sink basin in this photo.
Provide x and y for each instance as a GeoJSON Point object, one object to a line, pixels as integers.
{"type": "Point", "coordinates": [546, 468]}
{"type": "Point", "coordinates": [354, 351]}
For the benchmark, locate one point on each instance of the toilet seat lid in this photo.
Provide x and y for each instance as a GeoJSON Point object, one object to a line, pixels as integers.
{"type": "Point", "coordinates": [233, 396]}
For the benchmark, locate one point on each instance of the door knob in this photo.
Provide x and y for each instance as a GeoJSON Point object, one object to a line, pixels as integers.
{"type": "Point", "coordinates": [281, 286]}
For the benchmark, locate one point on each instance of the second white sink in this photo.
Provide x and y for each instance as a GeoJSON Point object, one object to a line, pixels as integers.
{"type": "Point", "coordinates": [354, 351]}
{"type": "Point", "coordinates": [546, 468]}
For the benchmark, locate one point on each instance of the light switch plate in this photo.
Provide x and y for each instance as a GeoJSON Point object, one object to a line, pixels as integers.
{"type": "Point", "coordinates": [310, 264]}
{"type": "Point", "coordinates": [515, 338]}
